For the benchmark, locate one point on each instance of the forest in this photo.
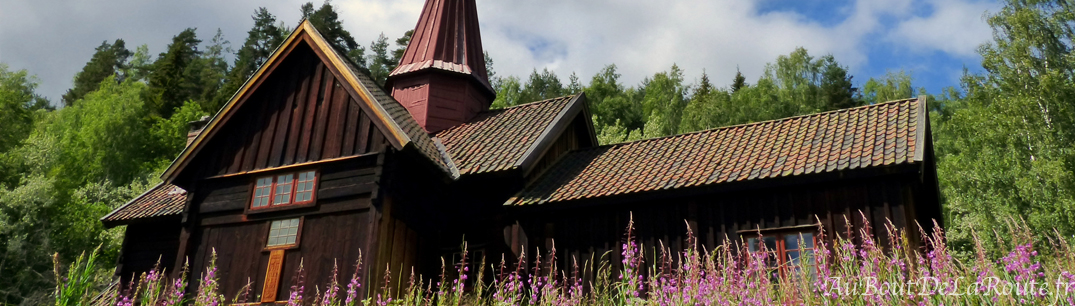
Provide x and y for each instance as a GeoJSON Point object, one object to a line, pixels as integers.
{"type": "Point", "coordinates": [1004, 139]}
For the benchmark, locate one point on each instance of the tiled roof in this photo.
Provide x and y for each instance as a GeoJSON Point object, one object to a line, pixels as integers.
{"type": "Point", "coordinates": [160, 201]}
{"type": "Point", "coordinates": [869, 136]}
{"type": "Point", "coordinates": [496, 140]}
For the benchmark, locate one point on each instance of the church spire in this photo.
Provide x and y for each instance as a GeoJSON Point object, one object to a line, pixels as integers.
{"type": "Point", "coordinates": [441, 78]}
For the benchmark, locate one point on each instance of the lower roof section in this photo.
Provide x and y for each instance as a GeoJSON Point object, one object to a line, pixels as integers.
{"type": "Point", "coordinates": [883, 134]}
{"type": "Point", "coordinates": [163, 200]}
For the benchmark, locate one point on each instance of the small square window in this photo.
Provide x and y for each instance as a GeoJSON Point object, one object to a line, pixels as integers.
{"type": "Point", "coordinates": [282, 194]}
{"type": "Point", "coordinates": [283, 232]}
{"type": "Point", "coordinates": [304, 189]}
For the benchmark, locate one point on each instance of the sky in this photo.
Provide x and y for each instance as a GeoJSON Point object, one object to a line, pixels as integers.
{"type": "Point", "coordinates": [933, 40]}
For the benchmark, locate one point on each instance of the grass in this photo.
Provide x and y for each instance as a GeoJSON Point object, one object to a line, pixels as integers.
{"type": "Point", "coordinates": [847, 273]}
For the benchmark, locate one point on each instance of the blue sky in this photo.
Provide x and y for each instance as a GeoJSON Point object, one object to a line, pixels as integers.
{"type": "Point", "coordinates": [931, 69]}
{"type": "Point", "coordinates": [931, 39]}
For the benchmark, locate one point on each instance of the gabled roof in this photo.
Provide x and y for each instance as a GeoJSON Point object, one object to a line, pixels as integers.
{"type": "Point", "coordinates": [883, 134]}
{"type": "Point", "coordinates": [386, 112]}
{"type": "Point", "coordinates": [160, 201]}
{"type": "Point", "coordinates": [498, 140]}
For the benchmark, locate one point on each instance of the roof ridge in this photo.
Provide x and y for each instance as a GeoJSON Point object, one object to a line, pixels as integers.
{"type": "Point", "coordinates": [532, 103]}
{"type": "Point", "coordinates": [748, 124]}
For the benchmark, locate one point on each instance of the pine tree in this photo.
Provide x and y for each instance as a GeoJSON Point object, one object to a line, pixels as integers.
{"type": "Point", "coordinates": [836, 87]}
{"type": "Point", "coordinates": [541, 86]}
{"type": "Point", "coordinates": [108, 59]}
{"type": "Point", "coordinates": [328, 22]}
{"type": "Point", "coordinates": [573, 84]}
{"type": "Point", "coordinates": [263, 38]}
{"type": "Point", "coordinates": [380, 64]}
{"type": "Point", "coordinates": [209, 71]}
{"type": "Point", "coordinates": [401, 46]}
{"type": "Point", "coordinates": [170, 83]}
{"type": "Point", "coordinates": [738, 82]}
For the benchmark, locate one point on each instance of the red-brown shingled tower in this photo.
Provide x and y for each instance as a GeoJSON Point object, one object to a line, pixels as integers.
{"type": "Point", "coordinates": [441, 78]}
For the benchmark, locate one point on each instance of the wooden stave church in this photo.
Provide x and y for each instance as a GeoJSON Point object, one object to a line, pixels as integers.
{"type": "Point", "coordinates": [404, 174]}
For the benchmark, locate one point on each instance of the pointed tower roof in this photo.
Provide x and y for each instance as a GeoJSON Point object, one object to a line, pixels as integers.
{"type": "Point", "coordinates": [446, 38]}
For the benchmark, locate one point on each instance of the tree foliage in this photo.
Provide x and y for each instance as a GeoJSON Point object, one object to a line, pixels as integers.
{"type": "Point", "coordinates": [108, 59]}
{"type": "Point", "coordinates": [1007, 149]}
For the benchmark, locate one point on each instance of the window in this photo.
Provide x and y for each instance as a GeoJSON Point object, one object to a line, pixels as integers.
{"type": "Point", "coordinates": [282, 193]}
{"type": "Point", "coordinates": [304, 190]}
{"type": "Point", "coordinates": [790, 251]}
{"type": "Point", "coordinates": [283, 232]}
{"type": "Point", "coordinates": [284, 189]}
{"type": "Point", "coordinates": [262, 192]}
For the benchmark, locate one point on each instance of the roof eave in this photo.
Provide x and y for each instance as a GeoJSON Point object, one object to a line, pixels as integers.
{"type": "Point", "coordinates": [920, 130]}
{"type": "Point", "coordinates": [114, 211]}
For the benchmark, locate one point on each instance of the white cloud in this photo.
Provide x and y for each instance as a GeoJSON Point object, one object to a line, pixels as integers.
{"type": "Point", "coordinates": [54, 38]}
{"type": "Point", "coordinates": [955, 27]}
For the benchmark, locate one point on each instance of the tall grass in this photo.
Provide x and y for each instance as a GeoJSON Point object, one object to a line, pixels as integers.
{"type": "Point", "coordinates": [849, 271]}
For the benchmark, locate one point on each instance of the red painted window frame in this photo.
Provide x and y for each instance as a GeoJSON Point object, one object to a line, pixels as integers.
{"type": "Point", "coordinates": [783, 262]}
{"type": "Point", "coordinates": [254, 194]}
{"type": "Point", "coordinates": [291, 197]}
{"type": "Point", "coordinates": [295, 187]}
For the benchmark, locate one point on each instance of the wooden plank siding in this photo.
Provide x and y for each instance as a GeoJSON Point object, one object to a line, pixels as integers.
{"type": "Point", "coordinates": [302, 113]}
{"type": "Point", "coordinates": [146, 245]}
{"type": "Point", "coordinates": [334, 231]}
{"type": "Point", "coordinates": [596, 232]}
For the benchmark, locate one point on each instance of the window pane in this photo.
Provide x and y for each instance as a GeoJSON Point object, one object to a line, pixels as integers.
{"type": "Point", "coordinates": [808, 240]}
{"type": "Point", "coordinates": [791, 242]}
{"type": "Point", "coordinates": [770, 243]}
{"type": "Point", "coordinates": [793, 258]}
{"type": "Point", "coordinates": [752, 244]}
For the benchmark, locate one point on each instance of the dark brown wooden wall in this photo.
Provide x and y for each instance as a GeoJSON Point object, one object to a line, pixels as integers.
{"type": "Point", "coordinates": [587, 233]}
{"type": "Point", "coordinates": [300, 113]}
{"type": "Point", "coordinates": [147, 243]}
{"type": "Point", "coordinates": [341, 224]}
{"type": "Point", "coordinates": [574, 137]}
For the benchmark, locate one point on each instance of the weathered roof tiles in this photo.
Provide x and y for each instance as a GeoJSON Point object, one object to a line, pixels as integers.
{"type": "Point", "coordinates": [868, 136]}
{"type": "Point", "coordinates": [496, 140]}
{"type": "Point", "coordinates": [160, 201]}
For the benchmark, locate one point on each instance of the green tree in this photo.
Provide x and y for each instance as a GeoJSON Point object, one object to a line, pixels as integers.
{"type": "Point", "coordinates": [494, 80]}
{"type": "Point", "coordinates": [17, 103]}
{"type": "Point", "coordinates": [380, 64]}
{"type": "Point", "coordinates": [1008, 152]}
{"type": "Point", "coordinates": [892, 86]}
{"type": "Point", "coordinates": [171, 83]}
{"type": "Point", "coordinates": [508, 93]}
{"type": "Point", "coordinates": [328, 22]}
{"type": "Point", "coordinates": [108, 59]}
{"type": "Point", "coordinates": [739, 81]}
{"type": "Point", "coordinates": [541, 86]}
{"type": "Point", "coordinates": [208, 73]}
{"type": "Point", "coordinates": [703, 110]}
{"type": "Point", "coordinates": [836, 89]}
{"type": "Point", "coordinates": [401, 47]}
{"type": "Point", "coordinates": [611, 103]}
{"type": "Point", "coordinates": [261, 40]}
{"type": "Point", "coordinates": [664, 100]}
